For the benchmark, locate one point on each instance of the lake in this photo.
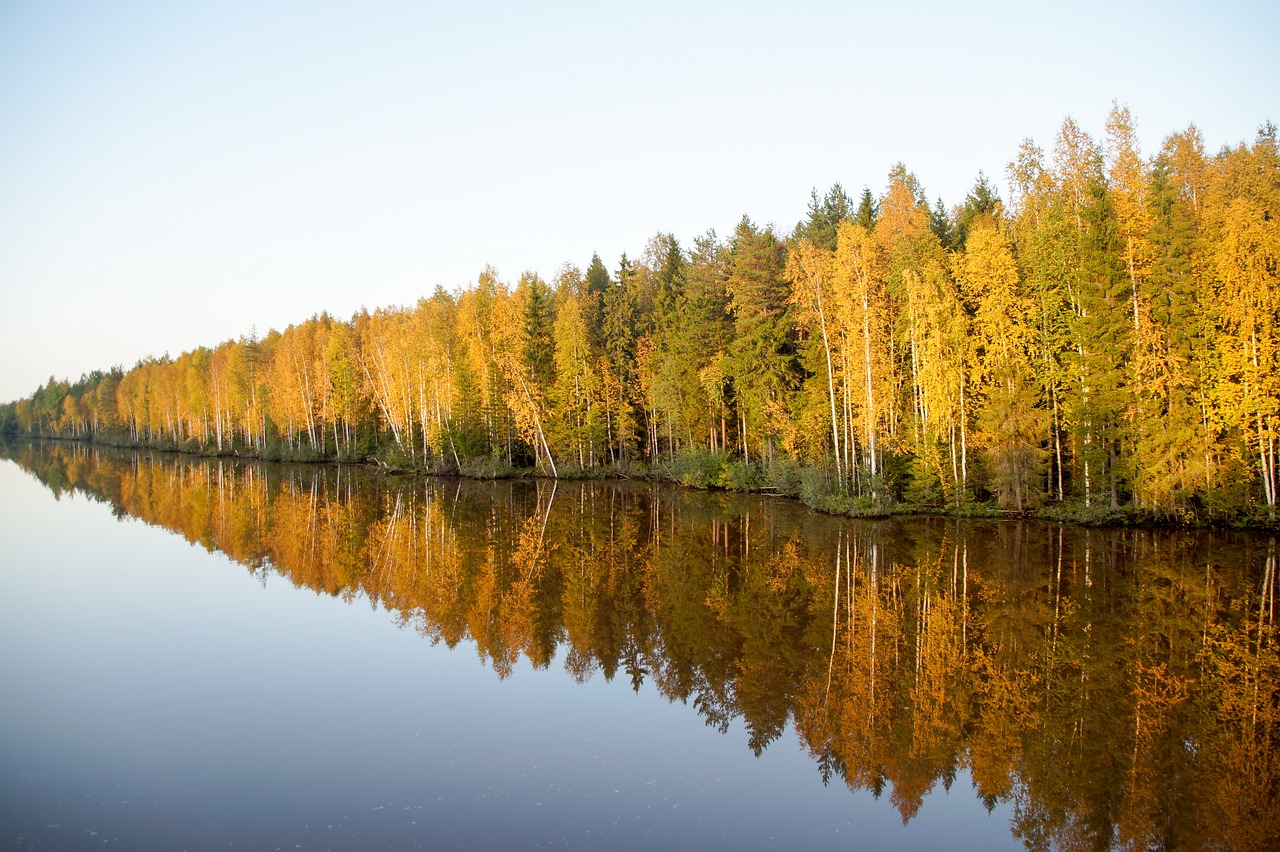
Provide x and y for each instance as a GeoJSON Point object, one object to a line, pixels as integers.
{"type": "Point", "coordinates": [213, 653]}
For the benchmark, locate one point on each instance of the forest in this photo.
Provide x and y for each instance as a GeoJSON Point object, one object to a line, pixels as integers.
{"type": "Point", "coordinates": [1104, 344]}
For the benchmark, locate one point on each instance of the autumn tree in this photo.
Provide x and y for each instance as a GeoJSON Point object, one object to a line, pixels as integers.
{"type": "Point", "coordinates": [1245, 192]}
{"type": "Point", "coordinates": [1012, 423]}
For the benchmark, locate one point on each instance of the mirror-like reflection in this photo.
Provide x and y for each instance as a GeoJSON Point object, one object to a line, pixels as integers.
{"type": "Point", "coordinates": [1119, 687]}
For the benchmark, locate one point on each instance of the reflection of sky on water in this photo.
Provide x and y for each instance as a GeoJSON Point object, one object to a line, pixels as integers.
{"type": "Point", "coordinates": [156, 695]}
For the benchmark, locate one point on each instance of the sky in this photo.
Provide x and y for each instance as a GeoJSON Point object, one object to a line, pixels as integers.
{"type": "Point", "coordinates": [173, 175]}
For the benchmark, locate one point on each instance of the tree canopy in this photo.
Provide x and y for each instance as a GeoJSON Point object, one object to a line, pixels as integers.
{"type": "Point", "coordinates": [1108, 337]}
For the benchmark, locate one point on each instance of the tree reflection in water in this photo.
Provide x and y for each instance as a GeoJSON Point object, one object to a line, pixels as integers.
{"type": "Point", "coordinates": [1120, 687]}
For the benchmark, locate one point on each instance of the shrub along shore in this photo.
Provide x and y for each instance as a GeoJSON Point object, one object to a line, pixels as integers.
{"type": "Point", "coordinates": [704, 471]}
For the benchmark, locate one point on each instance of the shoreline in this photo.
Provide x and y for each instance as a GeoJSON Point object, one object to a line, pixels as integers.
{"type": "Point", "coordinates": [835, 505]}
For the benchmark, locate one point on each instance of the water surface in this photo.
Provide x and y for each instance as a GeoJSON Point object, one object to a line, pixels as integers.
{"type": "Point", "coordinates": [209, 653]}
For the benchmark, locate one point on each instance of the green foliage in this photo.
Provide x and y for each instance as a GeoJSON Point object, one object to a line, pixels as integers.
{"type": "Point", "coordinates": [784, 476]}
{"type": "Point", "coordinates": [739, 475]}
{"type": "Point", "coordinates": [824, 217]}
{"type": "Point", "coordinates": [982, 200]}
{"type": "Point", "coordinates": [539, 342]}
{"type": "Point", "coordinates": [815, 486]}
{"type": "Point", "coordinates": [697, 468]}
{"type": "Point", "coordinates": [9, 426]}
{"type": "Point", "coordinates": [922, 484]}
{"type": "Point", "coordinates": [485, 467]}
{"type": "Point", "coordinates": [392, 458]}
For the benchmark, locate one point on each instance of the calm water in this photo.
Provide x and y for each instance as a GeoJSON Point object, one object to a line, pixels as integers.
{"type": "Point", "coordinates": [206, 654]}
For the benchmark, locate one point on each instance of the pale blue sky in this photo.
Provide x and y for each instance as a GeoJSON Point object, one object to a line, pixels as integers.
{"type": "Point", "coordinates": [176, 174]}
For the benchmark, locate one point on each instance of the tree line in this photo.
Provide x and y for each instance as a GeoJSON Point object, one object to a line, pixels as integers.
{"type": "Point", "coordinates": [1107, 339]}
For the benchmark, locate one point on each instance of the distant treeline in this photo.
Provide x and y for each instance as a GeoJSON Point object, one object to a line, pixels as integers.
{"type": "Point", "coordinates": [1107, 341]}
